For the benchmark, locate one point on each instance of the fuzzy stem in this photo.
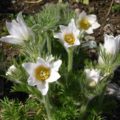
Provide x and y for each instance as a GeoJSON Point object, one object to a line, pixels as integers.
{"type": "Point", "coordinates": [47, 107]}
{"type": "Point", "coordinates": [48, 44]}
{"type": "Point", "coordinates": [70, 59]}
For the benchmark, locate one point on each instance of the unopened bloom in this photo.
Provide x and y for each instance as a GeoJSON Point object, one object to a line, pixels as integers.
{"type": "Point", "coordinates": [42, 73]}
{"type": "Point", "coordinates": [68, 35]}
{"type": "Point", "coordinates": [11, 69]}
{"type": "Point", "coordinates": [111, 46]}
{"type": "Point", "coordinates": [87, 23]}
{"type": "Point", "coordinates": [18, 31]}
{"type": "Point", "coordinates": [93, 75]}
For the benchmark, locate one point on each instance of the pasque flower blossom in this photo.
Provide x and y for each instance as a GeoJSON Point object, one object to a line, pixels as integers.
{"type": "Point", "coordinates": [42, 73]}
{"type": "Point", "coordinates": [87, 23]}
{"type": "Point", "coordinates": [111, 46]}
{"type": "Point", "coordinates": [68, 35]}
{"type": "Point", "coordinates": [18, 31]}
{"type": "Point", "coordinates": [93, 75]}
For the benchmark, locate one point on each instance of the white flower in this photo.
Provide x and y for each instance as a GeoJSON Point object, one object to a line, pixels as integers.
{"type": "Point", "coordinates": [42, 73]}
{"type": "Point", "coordinates": [93, 75]}
{"type": "Point", "coordinates": [87, 23]}
{"type": "Point", "coordinates": [11, 69]}
{"type": "Point", "coordinates": [18, 31]}
{"type": "Point", "coordinates": [111, 46]}
{"type": "Point", "coordinates": [68, 35]}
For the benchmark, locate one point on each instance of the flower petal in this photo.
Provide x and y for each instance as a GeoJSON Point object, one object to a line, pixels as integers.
{"type": "Point", "coordinates": [31, 81]}
{"type": "Point", "coordinates": [95, 25]}
{"type": "Point", "coordinates": [53, 77]}
{"type": "Point", "coordinates": [29, 67]}
{"type": "Point", "coordinates": [57, 64]}
{"type": "Point", "coordinates": [12, 28]}
{"type": "Point", "coordinates": [11, 39]}
{"type": "Point", "coordinates": [42, 61]}
{"type": "Point", "coordinates": [82, 14]}
{"type": "Point", "coordinates": [43, 87]}
{"type": "Point", "coordinates": [77, 42]}
{"type": "Point", "coordinates": [62, 28]}
{"type": "Point", "coordinates": [72, 25]}
{"type": "Point", "coordinates": [23, 25]}
{"type": "Point", "coordinates": [91, 18]}
{"type": "Point", "coordinates": [89, 31]}
{"type": "Point", "coordinates": [58, 35]}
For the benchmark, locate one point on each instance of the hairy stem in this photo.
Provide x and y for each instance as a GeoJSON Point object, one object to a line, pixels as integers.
{"type": "Point", "coordinates": [70, 59]}
{"type": "Point", "coordinates": [47, 107]}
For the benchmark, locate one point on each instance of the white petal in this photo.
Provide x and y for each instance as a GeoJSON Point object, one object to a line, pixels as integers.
{"type": "Point", "coordinates": [18, 28]}
{"type": "Point", "coordinates": [13, 28]}
{"type": "Point", "coordinates": [91, 18]}
{"type": "Point", "coordinates": [82, 14]}
{"type": "Point", "coordinates": [29, 67]}
{"type": "Point", "coordinates": [108, 37]}
{"type": "Point", "coordinates": [11, 39]}
{"type": "Point", "coordinates": [43, 87]}
{"type": "Point", "coordinates": [76, 32]}
{"type": "Point", "coordinates": [72, 25]}
{"type": "Point", "coordinates": [66, 45]}
{"type": "Point", "coordinates": [21, 21]}
{"type": "Point", "coordinates": [53, 77]}
{"type": "Point", "coordinates": [31, 81]}
{"type": "Point", "coordinates": [58, 35]}
{"type": "Point", "coordinates": [95, 25]}
{"type": "Point", "coordinates": [111, 45]}
{"type": "Point", "coordinates": [42, 61]}
{"type": "Point", "coordinates": [77, 42]}
{"type": "Point", "coordinates": [24, 27]}
{"type": "Point", "coordinates": [117, 39]}
{"type": "Point", "coordinates": [62, 28]}
{"type": "Point", "coordinates": [57, 64]}
{"type": "Point", "coordinates": [89, 31]}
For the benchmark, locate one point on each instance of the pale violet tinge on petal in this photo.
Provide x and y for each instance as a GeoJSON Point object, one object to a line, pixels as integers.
{"type": "Point", "coordinates": [32, 81]}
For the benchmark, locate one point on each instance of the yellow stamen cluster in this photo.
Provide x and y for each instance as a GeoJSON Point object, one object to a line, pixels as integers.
{"type": "Point", "coordinates": [69, 38]}
{"type": "Point", "coordinates": [42, 73]}
{"type": "Point", "coordinates": [84, 24]}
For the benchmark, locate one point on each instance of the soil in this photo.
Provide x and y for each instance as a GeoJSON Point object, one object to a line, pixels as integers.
{"type": "Point", "coordinates": [109, 20]}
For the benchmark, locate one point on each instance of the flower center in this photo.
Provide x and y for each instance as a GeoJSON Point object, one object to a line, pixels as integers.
{"type": "Point", "coordinates": [84, 24]}
{"type": "Point", "coordinates": [69, 38]}
{"type": "Point", "coordinates": [42, 73]}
